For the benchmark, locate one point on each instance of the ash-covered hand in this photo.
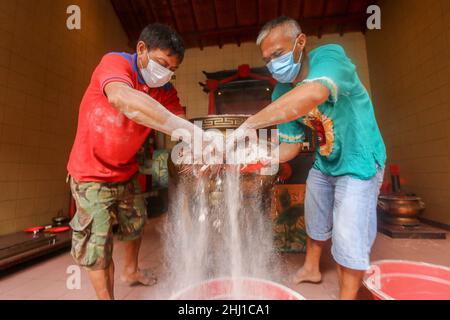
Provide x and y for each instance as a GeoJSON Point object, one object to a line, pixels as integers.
{"type": "Point", "coordinates": [249, 151]}
{"type": "Point", "coordinates": [200, 156]}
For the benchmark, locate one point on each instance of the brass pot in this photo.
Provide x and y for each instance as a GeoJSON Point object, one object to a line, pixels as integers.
{"type": "Point", "coordinates": [250, 181]}
{"type": "Point", "coordinates": [220, 122]}
{"type": "Point", "coordinates": [400, 209]}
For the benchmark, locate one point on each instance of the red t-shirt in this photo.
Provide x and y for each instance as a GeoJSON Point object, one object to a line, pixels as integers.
{"type": "Point", "coordinates": [107, 141]}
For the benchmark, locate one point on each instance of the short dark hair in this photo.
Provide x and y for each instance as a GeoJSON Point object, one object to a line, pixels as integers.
{"type": "Point", "coordinates": [161, 36]}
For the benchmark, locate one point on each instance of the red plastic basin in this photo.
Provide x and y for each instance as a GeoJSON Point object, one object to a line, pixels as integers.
{"type": "Point", "coordinates": [407, 280]}
{"type": "Point", "coordinates": [249, 288]}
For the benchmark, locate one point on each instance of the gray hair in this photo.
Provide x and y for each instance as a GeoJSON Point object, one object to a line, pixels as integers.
{"type": "Point", "coordinates": [291, 25]}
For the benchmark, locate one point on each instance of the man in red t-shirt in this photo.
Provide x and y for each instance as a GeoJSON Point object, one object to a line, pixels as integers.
{"type": "Point", "coordinates": [128, 96]}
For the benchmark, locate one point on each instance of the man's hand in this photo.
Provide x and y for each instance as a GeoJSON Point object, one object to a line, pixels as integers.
{"type": "Point", "coordinates": [211, 153]}
{"type": "Point", "coordinates": [252, 155]}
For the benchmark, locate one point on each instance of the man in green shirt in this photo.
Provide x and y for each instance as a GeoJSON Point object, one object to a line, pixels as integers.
{"type": "Point", "coordinates": [321, 89]}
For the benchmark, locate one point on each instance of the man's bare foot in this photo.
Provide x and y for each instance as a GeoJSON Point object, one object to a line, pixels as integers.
{"type": "Point", "coordinates": [304, 275]}
{"type": "Point", "coordinates": [144, 277]}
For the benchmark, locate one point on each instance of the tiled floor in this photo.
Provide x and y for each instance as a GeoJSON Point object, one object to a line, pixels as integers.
{"type": "Point", "coordinates": [46, 279]}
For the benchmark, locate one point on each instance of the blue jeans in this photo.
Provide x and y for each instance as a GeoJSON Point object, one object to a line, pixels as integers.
{"type": "Point", "coordinates": [345, 210]}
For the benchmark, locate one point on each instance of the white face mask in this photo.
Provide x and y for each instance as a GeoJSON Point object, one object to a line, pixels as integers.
{"type": "Point", "coordinates": [155, 75]}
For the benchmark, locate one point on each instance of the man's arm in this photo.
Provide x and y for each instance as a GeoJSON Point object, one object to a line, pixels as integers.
{"type": "Point", "coordinates": [291, 106]}
{"type": "Point", "coordinates": [145, 110]}
{"type": "Point", "coordinates": [289, 151]}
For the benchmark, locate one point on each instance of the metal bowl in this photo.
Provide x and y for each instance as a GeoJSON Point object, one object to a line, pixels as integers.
{"type": "Point", "coordinates": [250, 181]}
{"type": "Point", "coordinates": [400, 209]}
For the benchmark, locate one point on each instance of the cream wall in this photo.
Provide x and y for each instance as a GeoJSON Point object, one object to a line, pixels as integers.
{"type": "Point", "coordinates": [409, 60]}
{"type": "Point", "coordinates": [230, 56]}
{"type": "Point", "coordinates": [44, 71]}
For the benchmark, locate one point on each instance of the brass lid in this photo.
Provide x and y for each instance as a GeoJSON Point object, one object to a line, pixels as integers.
{"type": "Point", "coordinates": [397, 197]}
{"type": "Point", "coordinates": [225, 121]}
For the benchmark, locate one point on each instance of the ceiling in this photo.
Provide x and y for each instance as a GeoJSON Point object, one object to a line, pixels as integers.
{"type": "Point", "coordinates": [217, 22]}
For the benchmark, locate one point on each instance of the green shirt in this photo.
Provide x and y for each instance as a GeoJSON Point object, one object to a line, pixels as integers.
{"type": "Point", "coordinates": [349, 140]}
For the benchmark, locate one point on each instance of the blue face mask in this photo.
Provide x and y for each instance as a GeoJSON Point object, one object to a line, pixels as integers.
{"type": "Point", "coordinates": [284, 69]}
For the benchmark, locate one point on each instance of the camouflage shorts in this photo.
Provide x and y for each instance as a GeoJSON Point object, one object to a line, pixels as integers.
{"type": "Point", "coordinates": [99, 207]}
